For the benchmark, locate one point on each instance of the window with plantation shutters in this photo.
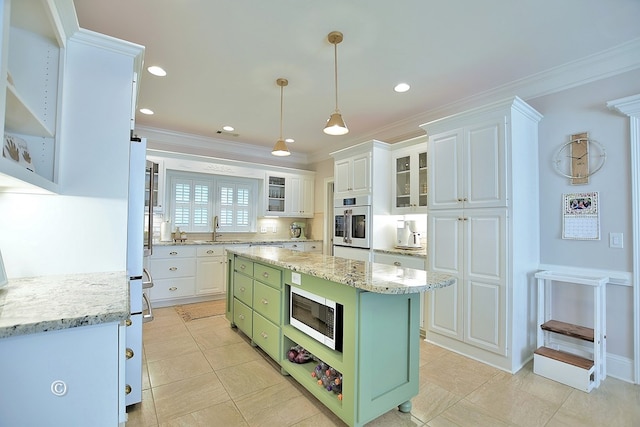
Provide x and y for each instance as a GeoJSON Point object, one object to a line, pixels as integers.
{"type": "Point", "coordinates": [234, 207]}
{"type": "Point", "coordinates": [194, 199]}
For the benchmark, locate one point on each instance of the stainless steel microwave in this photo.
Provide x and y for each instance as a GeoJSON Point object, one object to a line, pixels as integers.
{"type": "Point", "coordinates": [316, 316]}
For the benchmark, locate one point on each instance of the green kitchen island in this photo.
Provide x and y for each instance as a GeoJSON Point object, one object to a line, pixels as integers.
{"type": "Point", "coordinates": [378, 366]}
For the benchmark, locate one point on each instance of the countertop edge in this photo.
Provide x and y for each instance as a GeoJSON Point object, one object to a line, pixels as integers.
{"type": "Point", "coordinates": [367, 276]}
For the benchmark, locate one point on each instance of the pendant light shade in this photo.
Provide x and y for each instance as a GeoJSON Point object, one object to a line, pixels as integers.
{"type": "Point", "coordinates": [280, 149]}
{"type": "Point", "coordinates": [335, 124]}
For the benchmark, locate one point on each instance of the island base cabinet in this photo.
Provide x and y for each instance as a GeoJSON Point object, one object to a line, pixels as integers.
{"type": "Point", "coordinates": [68, 377]}
{"type": "Point", "coordinates": [380, 357]}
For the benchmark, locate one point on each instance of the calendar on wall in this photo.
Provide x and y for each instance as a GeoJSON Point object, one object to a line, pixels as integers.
{"type": "Point", "coordinates": [580, 216]}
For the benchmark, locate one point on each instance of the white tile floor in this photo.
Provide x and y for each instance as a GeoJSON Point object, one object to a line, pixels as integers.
{"type": "Point", "coordinates": [203, 373]}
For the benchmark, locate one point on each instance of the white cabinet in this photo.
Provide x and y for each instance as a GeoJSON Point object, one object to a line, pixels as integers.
{"type": "Point", "coordinates": [32, 61]}
{"type": "Point", "coordinates": [71, 377]}
{"type": "Point", "coordinates": [482, 228]}
{"type": "Point", "coordinates": [353, 175]}
{"type": "Point", "coordinates": [210, 270]}
{"type": "Point", "coordinates": [409, 165]}
{"type": "Point", "coordinates": [174, 272]}
{"type": "Point", "coordinates": [290, 195]}
{"type": "Point", "coordinates": [471, 246]}
{"type": "Point", "coordinates": [467, 166]}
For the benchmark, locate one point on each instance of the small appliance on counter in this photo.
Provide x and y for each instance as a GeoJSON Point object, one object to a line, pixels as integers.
{"type": "Point", "coordinates": [408, 236]}
{"type": "Point", "coordinates": [296, 230]}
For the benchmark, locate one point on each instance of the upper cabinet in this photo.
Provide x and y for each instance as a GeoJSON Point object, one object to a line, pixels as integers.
{"type": "Point", "coordinates": [34, 35]}
{"type": "Point", "coordinates": [466, 166]}
{"type": "Point", "coordinates": [289, 195]}
{"type": "Point", "coordinates": [409, 166]}
{"type": "Point", "coordinates": [353, 175]}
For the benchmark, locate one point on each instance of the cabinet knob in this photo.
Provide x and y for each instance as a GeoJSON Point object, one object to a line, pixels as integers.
{"type": "Point", "coordinates": [173, 268]}
{"type": "Point", "coordinates": [241, 316]}
{"type": "Point", "coordinates": [242, 289]}
{"type": "Point", "coordinates": [265, 301]}
{"type": "Point", "coordinates": [127, 389]}
{"type": "Point", "coordinates": [242, 266]}
{"type": "Point", "coordinates": [397, 263]}
{"type": "Point", "coordinates": [129, 353]}
{"type": "Point", "coordinates": [128, 322]}
{"type": "Point", "coordinates": [173, 253]}
{"type": "Point", "coordinates": [173, 288]}
{"type": "Point", "coordinates": [210, 251]}
{"type": "Point", "coordinates": [265, 275]}
{"type": "Point", "coordinates": [264, 335]}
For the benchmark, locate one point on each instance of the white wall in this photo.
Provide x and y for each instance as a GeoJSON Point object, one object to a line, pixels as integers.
{"type": "Point", "coordinates": [583, 109]}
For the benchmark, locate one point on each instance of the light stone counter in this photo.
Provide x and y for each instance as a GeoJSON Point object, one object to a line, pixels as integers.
{"type": "Point", "coordinates": [368, 276]}
{"type": "Point", "coordinates": [233, 242]}
{"type": "Point", "coordinates": [39, 304]}
{"type": "Point", "coordinates": [418, 252]}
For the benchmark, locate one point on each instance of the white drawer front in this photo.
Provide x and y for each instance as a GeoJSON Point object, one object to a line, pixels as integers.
{"type": "Point", "coordinates": [205, 251]}
{"type": "Point", "coordinates": [173, 288]}
{"type": "Point", "coordinates": [173, 251]}
{"type": "Point", "coordinates": [169, 268]}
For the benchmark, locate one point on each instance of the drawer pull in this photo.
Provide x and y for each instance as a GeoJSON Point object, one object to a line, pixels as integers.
{"type": "Point", "coordinates": [265, 275]}
{"type": "Point", "coordinates": [173, 268]}
{"type": "Point", "coordinates": [173, 253]}
{"type": "Point", "coordinates": [129, 353]}
{"type": "Point", "coordinates": [128, 322]}
{"type": "Point", "coordinates": [127, 389]}
{"type": "Point", "coordinates": [210, 251]}
{"type": "Point", "coordinates": [265, 301]}
{"type": "Point", "coordinates": [241, 316]}
{"type": "Point", "coordinates": [242, 266]}
{"type": "Point", "coordinates": [173, 288]}
{"type": "Point", "coordinates": [242, 289]}
{"type": "Point", "coordinates": [264, 335]}
{"type": "Point", "coordinates": [397, 263]}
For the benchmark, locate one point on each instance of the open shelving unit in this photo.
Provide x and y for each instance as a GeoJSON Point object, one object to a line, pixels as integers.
{"type": "Point", "coordinates": [569, 353]}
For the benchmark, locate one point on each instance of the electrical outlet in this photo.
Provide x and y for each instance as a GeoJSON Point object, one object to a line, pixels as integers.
{"type": "Point", "coordinates": [615, 240]}
{"type": "Point", "coordinates": [263, 229]}
{"type": "Point", "coordinates": [275, 229]}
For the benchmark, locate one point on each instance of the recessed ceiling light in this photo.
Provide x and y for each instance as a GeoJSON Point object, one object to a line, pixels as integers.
{"type": "Point", "coordinates": [401, 87]}
{"type": "Point", "coordinates": [289, 140]}
{"type": "Point", "coordinates": [146, 111]}
{"type": "Point", "coordinates": [157, 71]}
{"type": "Point", "coordinates": [228, 128]}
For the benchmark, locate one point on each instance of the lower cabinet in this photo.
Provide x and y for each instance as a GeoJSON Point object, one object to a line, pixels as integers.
{"type": "Point", "coordinates": [257, 303]}
{"type": "Point", "coordinates": [72, 377]}
{"type": "Point", "coordinates": [187, 273]}
{"type": "Point", "coordinates": [375, 378]}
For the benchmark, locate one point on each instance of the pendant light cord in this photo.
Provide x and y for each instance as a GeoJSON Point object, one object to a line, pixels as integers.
{"type": "Point", "coordinates": [335, 70]}
{"type": "Point", "coordinates": [281, 95]}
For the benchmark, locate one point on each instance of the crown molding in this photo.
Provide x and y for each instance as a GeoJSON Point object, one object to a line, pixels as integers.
{"type": "Point", "coordinates": [179, 142]}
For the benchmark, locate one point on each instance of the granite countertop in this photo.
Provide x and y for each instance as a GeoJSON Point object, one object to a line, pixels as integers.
{"type": "Point", "coordinates": [233, 242]}
{"type": "Point", "coordinates": [45, 303]}
{"type": "Point", "coordinates": [368, 276]}
{"type": "Point", "coordinates": [417, 252]}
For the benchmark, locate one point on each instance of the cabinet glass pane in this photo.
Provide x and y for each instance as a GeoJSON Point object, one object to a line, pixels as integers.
{"type": "Point", "coordinates": [276, 194]}
{"type": "Point", "coordinates": [403, 181]}
{"type": "Point", "coordinates": [422, 179]}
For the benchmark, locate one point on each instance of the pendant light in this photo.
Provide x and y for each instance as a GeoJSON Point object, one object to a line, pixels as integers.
{"type": "Point", "coordinates": [280, 149]}
{"type": "Point", "coordinates": [335, 124]}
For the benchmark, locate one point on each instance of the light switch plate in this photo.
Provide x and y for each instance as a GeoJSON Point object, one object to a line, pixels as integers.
{"type": "Point", "coordinates": [615, 240]}
{"type": "Point", "coordinates": [263, 229]}
{"type": "Point", "coordinates": [295, 278]}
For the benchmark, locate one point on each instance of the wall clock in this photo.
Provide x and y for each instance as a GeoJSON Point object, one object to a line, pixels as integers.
{"type": "Point", "coordinates": [579, 158]}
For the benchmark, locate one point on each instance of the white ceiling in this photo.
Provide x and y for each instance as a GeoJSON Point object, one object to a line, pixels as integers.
{"type": "Point", "coordinates": [223, 59]}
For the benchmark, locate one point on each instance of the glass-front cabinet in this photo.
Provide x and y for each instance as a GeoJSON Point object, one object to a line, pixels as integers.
{"type": "Point", "coordinates": [410, 176]}
{"type": "Point", "coordinates": [275, 194]}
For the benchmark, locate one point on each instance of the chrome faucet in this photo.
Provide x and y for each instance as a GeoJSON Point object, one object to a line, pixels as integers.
{"type": "Point", "coordinates": [215, 227]}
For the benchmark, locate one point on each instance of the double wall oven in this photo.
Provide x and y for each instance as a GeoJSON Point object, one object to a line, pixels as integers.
{"type": "Point", "coordinates": [352, 222]}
